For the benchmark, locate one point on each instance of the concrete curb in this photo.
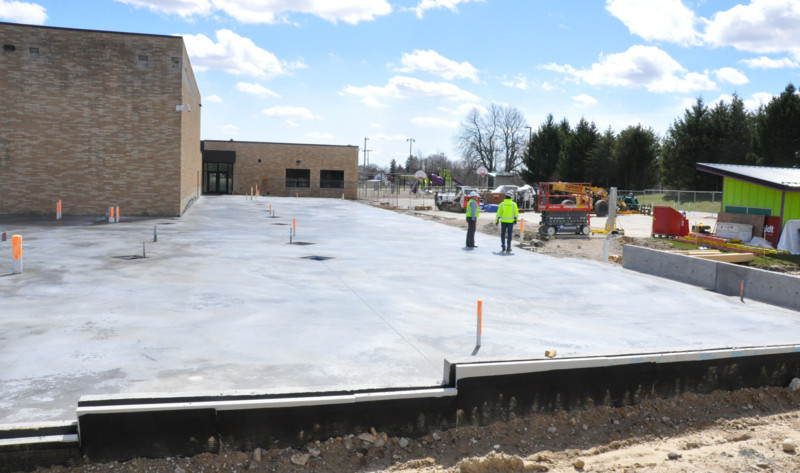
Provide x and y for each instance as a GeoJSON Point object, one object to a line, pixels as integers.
{"type": "Point", "coordinates": [724, 278]}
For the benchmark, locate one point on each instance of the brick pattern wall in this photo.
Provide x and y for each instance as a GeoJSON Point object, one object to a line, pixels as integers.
{"type": "Point", "coordinates": [270, 174]}
{"type": "Point", "coordinates": [89, 117]}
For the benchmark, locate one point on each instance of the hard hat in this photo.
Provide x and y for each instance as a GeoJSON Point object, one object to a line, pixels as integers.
{"type": "Point", "coordinates": [473, 194]}
{"type": "Point", "coordinates": [509, 194]}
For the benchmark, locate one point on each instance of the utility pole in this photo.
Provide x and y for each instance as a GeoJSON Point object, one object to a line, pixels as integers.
{"type": "Point", "coordinates": [410, 142]}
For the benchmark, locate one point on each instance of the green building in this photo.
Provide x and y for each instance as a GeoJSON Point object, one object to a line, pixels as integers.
{"type": "Point", "coordinates": [758, 190]}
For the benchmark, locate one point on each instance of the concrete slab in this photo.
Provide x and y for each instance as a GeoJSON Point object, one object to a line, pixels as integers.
{"type": "Point", "coordinates": [223, 303]}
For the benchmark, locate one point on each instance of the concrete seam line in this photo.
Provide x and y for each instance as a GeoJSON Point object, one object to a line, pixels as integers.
{"type": "Point", "coordinates": [473, 370]}
{"type": "Point", "coordinates": [271, 403]}
{"type": "Point", "coordinates": [218, 405]}
{"type": "Point", "coordinates": [71, 438]}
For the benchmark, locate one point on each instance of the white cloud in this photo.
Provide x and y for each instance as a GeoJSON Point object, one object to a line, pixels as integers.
{"type": "Point", "coordinates": [520, 82]}
{"type": "Point", "coordinates": [584, 100]}
{"type": "Point", "coordinates": [639, 66]}
{"type": "Point", "coordinates": [230, 130]}
{"type": "Point", "coordinates": [233, 54]}
{"type": "Point", "coordinates": [277, 11]}
{"type": "Point", "coordinates": [758, 99]}
{"type": "Point", "coordinates": [213, 98]}
{"type": "Point", "coordinates": [255, 89]}
{"type": "Point", "coordinates": [22, 12]}
{"type": "Point", "coordinates": [433, 62]}
{"type": "Point", "coordinates": [764, 62]}
{"type": "Point", "coordinates": [731, 75]}
{"type": "Point", "coordinates": [657, 20]}
{"type": "Point", "coordinates": [763, 26]}
{"type": "Point", "coordinates": [184, 8]}
{"type": "Point", "coordinates": [401, 87]}
{"type": "Point", "coordinates": [431, 122]}
{"type": "Point", "coordinates": [451, 5]}
{"type": "Point", "coordinates": [290, 114]}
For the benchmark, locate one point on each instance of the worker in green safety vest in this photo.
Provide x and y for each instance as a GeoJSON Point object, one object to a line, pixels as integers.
{"type": "Point", "coordinates": [507, 213]}
{"type": "Point", "coordinates": [473, 211]}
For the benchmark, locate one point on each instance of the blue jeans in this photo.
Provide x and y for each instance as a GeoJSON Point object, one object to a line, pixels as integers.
{"type": "Point", "coordinates": [506, 230]}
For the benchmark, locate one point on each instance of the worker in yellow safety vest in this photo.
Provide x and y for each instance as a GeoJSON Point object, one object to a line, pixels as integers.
{"type": "Point", "coordinates": [507, 213]}
{"type": "Point", "coordinates": [473, 211]}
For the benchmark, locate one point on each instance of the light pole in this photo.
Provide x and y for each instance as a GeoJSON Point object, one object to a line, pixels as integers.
{"type": "Point", "coordinates": [365, 153]}
{"type": "Point", "coordinates": [530, 135]}
{"type": "Point", "coordinates": [410, 142]}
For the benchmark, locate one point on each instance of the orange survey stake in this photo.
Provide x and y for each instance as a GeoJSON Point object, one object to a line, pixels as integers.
{"type": "Point", "coordinates": [16, 246]}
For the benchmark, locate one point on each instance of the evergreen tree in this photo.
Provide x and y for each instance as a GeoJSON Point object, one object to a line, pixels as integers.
{"type": "Point", "coordinates": [778, 130]}
{"type": "Point", "coordinates": [393, 167]}
{"type": "Point", "coordinates": [543, 151]}
{"type": "Point", "coordinates": [574, 154]}
{"type": "Point", "coordinates": [636, 157]}
{"type": "Point", "coordinates": [599, 165]}
{"type": "Point", "coordinates": [685, 144]}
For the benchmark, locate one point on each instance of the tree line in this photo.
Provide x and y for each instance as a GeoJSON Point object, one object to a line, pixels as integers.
{"type": "Point", "coordinates": [636, 157]}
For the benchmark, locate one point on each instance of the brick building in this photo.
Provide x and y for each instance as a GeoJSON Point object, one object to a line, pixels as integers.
{"type": "Point", "coordinates": [280, 169]}
{"type": "Point", "coordinates": [94, 119]}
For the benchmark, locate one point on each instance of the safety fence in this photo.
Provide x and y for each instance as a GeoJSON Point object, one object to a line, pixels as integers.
{"type": "Point", "coordinates": [690, 201]}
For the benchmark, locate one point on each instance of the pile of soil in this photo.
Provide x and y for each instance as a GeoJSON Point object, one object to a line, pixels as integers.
{"type": "Point", "coordinates": [745, 430]}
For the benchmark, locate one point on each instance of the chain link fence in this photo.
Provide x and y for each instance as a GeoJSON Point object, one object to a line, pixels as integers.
{"type": "Point", "coordinates": [690, 201]}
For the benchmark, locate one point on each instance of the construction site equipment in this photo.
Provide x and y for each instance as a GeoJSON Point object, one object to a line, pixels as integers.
{"type": "Point", "coordinates": [611, 220]}
{"type": "Point", "coordinates": [668, 222]}
{"type": "Point", "coordinates": [598, 195]}
{"type": "Point", "coordinates": [563, 212]}
{"type": "Point", "coordinates": [455, 201]}
{"type": "Point", "coordinates": [629, 204]}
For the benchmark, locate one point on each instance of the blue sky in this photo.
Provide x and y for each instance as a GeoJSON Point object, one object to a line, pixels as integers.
{"type": "Point", "coordinates": [337, 71]}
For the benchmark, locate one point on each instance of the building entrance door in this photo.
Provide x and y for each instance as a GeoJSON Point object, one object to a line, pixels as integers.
{"type": "Point", "coordinates": [218, 178]}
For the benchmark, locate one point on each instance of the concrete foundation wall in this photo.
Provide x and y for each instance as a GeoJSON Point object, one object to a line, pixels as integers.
{"type": "Point", "coordinates": [724, 278]}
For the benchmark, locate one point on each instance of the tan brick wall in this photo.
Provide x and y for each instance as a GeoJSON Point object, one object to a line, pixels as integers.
{"type": "Point", "coordinates": [270, 174]}
{"type": "Point", "coordinates": [88, 122]}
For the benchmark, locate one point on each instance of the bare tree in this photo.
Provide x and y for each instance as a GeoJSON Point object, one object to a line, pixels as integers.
{"type": "Point", "coordinates": [485, 139]}
{"type": "Point", "coordinates": [512, 124]}
{"type": "Point", "coordinates": [478, 140]}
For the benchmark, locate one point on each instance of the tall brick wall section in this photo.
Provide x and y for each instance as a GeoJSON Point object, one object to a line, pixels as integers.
{"type": "Point", "coordinates": [89, 117]}
{"type": "Point", "coordinates": [270, 173]}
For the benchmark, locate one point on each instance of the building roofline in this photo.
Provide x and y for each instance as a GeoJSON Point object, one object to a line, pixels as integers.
{"type": "Point", "coordinates": [726, 172]}
{"type": "Point", "coordinates": [276, 143]}
{"type": "Point", "coordinates": [62, 28]}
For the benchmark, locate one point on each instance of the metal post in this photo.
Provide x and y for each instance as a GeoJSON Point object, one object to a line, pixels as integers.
{"type": "Point", "coordinates": [480, 323]}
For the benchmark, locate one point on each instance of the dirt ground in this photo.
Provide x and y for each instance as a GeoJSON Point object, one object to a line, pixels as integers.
{"type": "Point", "coordinates": [746, 430]}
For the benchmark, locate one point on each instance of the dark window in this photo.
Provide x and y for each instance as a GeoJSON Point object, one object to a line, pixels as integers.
{"type": "Point", "coordinates": [298, 178]}
{"type": "Point", "coordinates": [34, 52]}
{"type": "Point", "coordinates": [143, 60]}
{"type": "Point", "coordinates": [331, 179]}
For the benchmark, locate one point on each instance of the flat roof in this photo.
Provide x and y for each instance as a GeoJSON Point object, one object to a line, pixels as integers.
{"type": "Point", "coordinates": [363, 298]}
{"type": "Point", "coordinates": [90, 31]}
{"type": "Point", "coordinates": [277, 143]}
{"type": "Point", "coordinates": [787, 179]}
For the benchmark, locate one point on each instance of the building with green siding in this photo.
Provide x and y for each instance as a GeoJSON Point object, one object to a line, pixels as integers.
{"type": "Point", "coordinates": [758, 190]}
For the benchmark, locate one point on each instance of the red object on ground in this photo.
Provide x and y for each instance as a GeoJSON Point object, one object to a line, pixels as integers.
{"type": "Point", "coordinates": [772, 230]}
{"type": "Point", "coordinates": [669, 222]}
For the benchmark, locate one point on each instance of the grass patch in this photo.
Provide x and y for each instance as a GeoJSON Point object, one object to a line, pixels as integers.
{"type": "Point", "coordinates": [702, 202]}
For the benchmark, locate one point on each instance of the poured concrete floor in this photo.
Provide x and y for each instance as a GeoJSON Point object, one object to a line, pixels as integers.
{"type": "Point", "coordinates": [223, 303]}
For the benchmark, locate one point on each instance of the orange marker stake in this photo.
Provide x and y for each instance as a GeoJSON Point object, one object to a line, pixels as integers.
{"type": "Point", "coordinates": [521, 232]}
{"type": "Point", "coordinates": [111, 214]}
{"type": "Point", "coordinates": [116, 219]}
{"type": "Point", "coordinates": [58, 210]}
{"type": "Point", "coordinates": [480, 323]}
{"type": "Point", "coordinates": [16, 251]}
{"type": "Point", "coordinates": [294, 226]}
